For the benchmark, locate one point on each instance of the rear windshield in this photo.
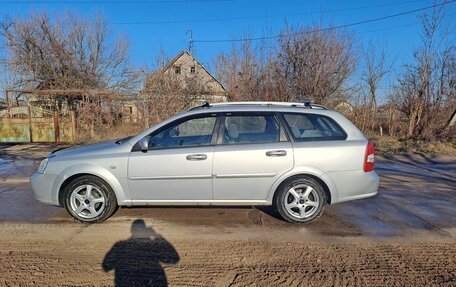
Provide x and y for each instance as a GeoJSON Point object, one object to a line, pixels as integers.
{"type": "Point", "coordinates": [313, 127]}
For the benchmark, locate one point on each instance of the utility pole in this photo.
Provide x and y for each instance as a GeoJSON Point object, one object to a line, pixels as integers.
{"type": "Point", "coordinates": [190, 41]}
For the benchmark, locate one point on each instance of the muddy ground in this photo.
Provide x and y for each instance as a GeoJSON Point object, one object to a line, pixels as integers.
{"type": "Point", "coordinates": [405, 236]}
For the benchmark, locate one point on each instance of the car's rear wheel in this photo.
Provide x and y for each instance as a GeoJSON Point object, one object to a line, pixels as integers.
{"type": "Point", "coordinates": [89, 199]}
{"type": "Point", "coordinates": [300, 200]}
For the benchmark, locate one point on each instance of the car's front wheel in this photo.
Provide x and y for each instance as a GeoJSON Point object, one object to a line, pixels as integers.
{"type": "Point", "coordinates": [89, 199]}
{"type": "Point", "coordinates": [300, 199]}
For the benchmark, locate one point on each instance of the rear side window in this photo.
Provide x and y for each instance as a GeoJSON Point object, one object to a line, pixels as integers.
{"type": "Point", "coordinates": [313, 127]}
{"type": "Point", "coordinates": [250, 129]}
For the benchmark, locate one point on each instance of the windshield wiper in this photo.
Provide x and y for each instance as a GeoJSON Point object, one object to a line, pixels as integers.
{"type": "Point", "coordinates": [121, 141]}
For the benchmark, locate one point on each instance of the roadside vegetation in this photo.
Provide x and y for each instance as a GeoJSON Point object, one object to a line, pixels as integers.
{"type": "Point", "coordinates": [386, 145]}
{"type": "Point", "coordinates": [79, 62]}
{"type": "Point", "coordinates": [415, 114]}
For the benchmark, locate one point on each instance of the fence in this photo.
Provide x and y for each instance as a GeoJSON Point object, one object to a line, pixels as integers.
{"type": "Point", "coordinates": [19, 125]}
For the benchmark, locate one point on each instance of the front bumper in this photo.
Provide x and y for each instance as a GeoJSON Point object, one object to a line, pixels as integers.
{"type": "Point", "coordinates": [43, 187]}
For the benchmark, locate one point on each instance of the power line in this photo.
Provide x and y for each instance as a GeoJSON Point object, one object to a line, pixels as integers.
{"type": "Point", "coordinates": [115, 2]}
{"type": "Point", "coordinates": [325, 29]}
{"type": "Point", "coordinates": [262, 17]}
{"type": "Point", "coordinates": [396, 26]}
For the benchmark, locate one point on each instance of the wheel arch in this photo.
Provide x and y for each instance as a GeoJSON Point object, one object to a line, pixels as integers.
{"type": "Point", "coordinates": [77, 171]}
{"type": "Point", "coordinates": [327, 184]}
{"type": "Point", "coordinates": [319, 180]}
{"type": "Point", "coordinates": [67, 181]}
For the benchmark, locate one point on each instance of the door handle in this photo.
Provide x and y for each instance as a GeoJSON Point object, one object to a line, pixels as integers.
{"type": "Point", "coordinates": [196, 157]}
{"type": "Point", "coordinates": [276, 153]}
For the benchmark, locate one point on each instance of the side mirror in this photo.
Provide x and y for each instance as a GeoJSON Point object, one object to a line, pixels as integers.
{"type": "Point", "coordinates": [144, 144]}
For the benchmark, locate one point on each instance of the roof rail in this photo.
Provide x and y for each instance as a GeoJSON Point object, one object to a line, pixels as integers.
{"type": "Point", "coordinates": [202, 106]}
{"type": "Point", "coordinates": [303, 104]}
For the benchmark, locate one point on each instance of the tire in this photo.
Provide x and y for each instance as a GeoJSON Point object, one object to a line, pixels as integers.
{"type": "Point", "coordinates": [295, 207]}
{"type": "Point", "coordinates": [96, 206]}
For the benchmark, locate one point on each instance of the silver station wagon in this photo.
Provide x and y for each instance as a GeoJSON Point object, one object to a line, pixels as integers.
{"type": "Point", "coordinates": [298, 157]}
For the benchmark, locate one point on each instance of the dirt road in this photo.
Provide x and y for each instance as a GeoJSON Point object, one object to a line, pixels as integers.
{"type": "Point", "coordinates": [405, 236]}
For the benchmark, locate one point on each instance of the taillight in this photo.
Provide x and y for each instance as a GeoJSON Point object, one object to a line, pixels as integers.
{"type": "Point", "coordinates": [369, 160]}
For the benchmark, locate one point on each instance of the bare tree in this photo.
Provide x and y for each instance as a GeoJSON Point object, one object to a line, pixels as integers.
{"type": "Point", "coordinates": [314, 64]}
{"type": "Point", "coordinates": [67, 52]}
{"type": "Point", "coordinates": [426, 90]}
{"type": "Point", "coordinates": [241, 71]}
{"type": "Point", "coordinates": [375, 69]}
{"type": "Point", "coordinates": [304, 63]}
{"type": "Point", "coordinates": [68, 62]}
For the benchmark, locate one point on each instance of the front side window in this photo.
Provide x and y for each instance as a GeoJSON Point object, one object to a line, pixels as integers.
{"type": "Point", "coordinates": [250, 129]}
{"type": "Point", "coordinates": [313, 127]}
{"type": "Point", "coordinates": [193, 132]}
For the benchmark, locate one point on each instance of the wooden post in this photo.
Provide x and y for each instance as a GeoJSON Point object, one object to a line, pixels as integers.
{"type": "Point", "coordinates": [146, 112]}
{"type": "Point", "coordinates": [30, 123]}
{"type": "Point", "coordinates": [8, 104]}
{"type": "Point", "coordinates": [110, 111]}
{"type": "Point", "coordinates": [73, 125]}
{"type": "Point", "coordinates": [56, 127]}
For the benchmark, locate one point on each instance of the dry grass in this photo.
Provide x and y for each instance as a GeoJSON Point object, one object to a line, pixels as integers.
{"type": "Point", "coordinates": [112, 133]}
{"type": "Point", "coordinates": [391, 145]}
{"type": "Point", "coordinates": [384, 145]}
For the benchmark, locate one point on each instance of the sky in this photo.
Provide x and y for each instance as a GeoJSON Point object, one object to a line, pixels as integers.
{"type": "Point", "coordinates": [155, 25]}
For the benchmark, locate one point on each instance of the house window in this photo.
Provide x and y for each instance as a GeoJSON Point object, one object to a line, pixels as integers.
{"type": "Point", "coordinates": [192, 70]}
{"type": "Point", "coordinates": [177, 69]}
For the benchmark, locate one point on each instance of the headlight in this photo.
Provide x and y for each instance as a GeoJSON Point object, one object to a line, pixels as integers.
{"type": "Point", "coordinates": [43, 165]}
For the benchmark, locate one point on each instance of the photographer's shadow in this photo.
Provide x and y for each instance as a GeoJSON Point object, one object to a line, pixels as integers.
{"type": "Point", "coordinates": [137, 261]}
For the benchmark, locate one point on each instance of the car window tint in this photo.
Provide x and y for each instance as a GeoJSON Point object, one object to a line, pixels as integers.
{"type": "Point", "coordinates": [312, 127]}
{"type": "Point", "coordinates": [329, 126]}
{"type": "Point", "coordinates": [193, 132]}
{"type": "Point", "coordinates": [250, 129]}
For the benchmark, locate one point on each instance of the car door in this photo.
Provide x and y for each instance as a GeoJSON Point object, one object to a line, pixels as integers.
{"type": "Point", "coordinates": [252, 152]}
{"type": "Point", "coordinates": [178, 165]}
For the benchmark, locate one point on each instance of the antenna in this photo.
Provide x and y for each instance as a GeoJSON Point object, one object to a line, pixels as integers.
{"type": "Point", "coordinates": [190, 41]}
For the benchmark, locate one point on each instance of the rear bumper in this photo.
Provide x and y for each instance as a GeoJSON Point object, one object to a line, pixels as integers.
{"type": "Point", "coordinates": [354, 185]}
{"type": "Point", "coordinates": [43, 187]}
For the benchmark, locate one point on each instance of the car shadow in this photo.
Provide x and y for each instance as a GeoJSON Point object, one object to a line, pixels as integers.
{"type": "Point", "coordinates": [270, 211]}
{"type": "Point", "coordinates": [138, 260]}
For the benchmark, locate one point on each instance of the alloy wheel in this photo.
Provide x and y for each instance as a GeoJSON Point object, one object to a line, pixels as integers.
{"type": "Point", "coordinates": [301, 201]}
{"type": "Point", "coordinates": [87, 201]}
